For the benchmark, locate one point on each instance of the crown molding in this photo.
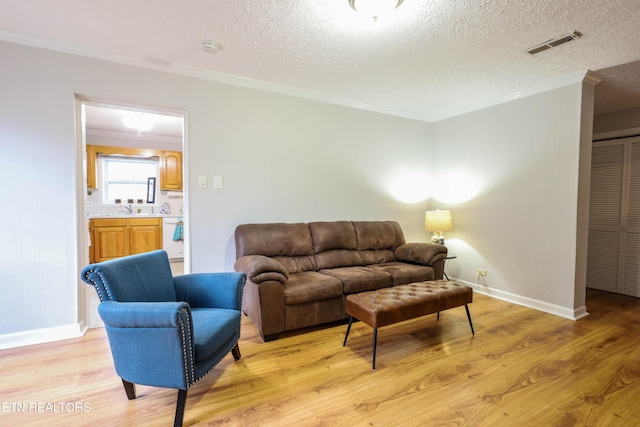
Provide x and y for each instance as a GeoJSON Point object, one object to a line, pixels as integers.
{"type": "Point", "coordinates": [134, 136]}
{"type": "Point", "coordinates": [165, 66]}
{"type": "Point", "coordinates": [591, 78]}
{"type": "Point", "coordinates": [169, 67]}
{"type": "Point", "coordinates": [551, 85]}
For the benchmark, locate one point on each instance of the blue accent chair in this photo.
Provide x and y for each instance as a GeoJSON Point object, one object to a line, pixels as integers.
{"type": "Point", "coordinates": [166, 331]}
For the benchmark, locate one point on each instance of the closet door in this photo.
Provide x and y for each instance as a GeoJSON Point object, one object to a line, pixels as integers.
{"type": "Point", "coordinates": [605, 211]}
{"type": "Point", "coordinates": [631, 223]}
{"type": "Point", "coordinates": [613, 259]}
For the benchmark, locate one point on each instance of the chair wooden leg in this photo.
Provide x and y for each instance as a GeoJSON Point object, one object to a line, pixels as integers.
{"type": "Point", "coordinates": [235, 351]}
{"type": "Point", "coordinates": [130, 389]}
{"type": "Point", "coordinates": [182, 400]}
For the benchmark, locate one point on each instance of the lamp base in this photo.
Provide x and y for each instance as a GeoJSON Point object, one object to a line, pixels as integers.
{"type": "Point", "coordinates": [437, 238]}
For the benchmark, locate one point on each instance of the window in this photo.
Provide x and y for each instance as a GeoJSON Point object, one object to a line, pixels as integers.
{"type": "Point", "coordinates": [126, 178]}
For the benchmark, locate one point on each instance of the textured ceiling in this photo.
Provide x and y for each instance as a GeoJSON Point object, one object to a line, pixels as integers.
{"type": "Point", "coordinates": [430, 59]}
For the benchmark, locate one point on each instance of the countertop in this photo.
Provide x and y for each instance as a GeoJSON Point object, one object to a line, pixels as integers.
{"type": "Point", "coordinates": [134, 215]}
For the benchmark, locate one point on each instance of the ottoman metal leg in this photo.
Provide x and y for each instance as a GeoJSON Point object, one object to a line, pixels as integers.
{"type": "Point", "coordinates": [348, 329]}
{"type": "Point", "coordinates": [375, 341]}
{"type": "Point", "coordinates": [466, 306]}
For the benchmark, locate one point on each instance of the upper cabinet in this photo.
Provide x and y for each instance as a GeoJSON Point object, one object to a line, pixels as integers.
{"type": "Point", "coordinates": [171, 170]}
{"type": "Point", "coordinates": [92, 167]}
{"type": "Point", "coordinates": [170, 164]}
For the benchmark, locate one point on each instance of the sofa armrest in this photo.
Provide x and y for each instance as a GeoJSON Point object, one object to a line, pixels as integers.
{"type": "Point", "coordinates": [422, 253]}
{"type": "Point", "coordinates": [259, 268]}
{"type": "Point", "coordinates": [211, 290]}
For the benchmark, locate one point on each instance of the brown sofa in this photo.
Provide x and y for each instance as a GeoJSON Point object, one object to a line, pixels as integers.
{"type": "Point", "coordinates": [298, 275]}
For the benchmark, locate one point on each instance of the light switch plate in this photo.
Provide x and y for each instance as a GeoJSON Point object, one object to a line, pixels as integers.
{"type": "Point", "coordinates": [202, 181]}
{"type": "Point", "coordinates": [217, 182]}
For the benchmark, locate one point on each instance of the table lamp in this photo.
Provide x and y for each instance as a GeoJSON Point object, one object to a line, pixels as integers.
{"type": "Point", "coordinates": [438, 221]}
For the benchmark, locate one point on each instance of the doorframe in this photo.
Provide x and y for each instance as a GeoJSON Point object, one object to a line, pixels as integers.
{"type": "Point", "coordinates": [87, 301]}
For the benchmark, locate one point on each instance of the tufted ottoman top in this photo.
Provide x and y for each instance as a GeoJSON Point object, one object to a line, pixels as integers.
{"type": "Point", "coordinates": [387, 306]}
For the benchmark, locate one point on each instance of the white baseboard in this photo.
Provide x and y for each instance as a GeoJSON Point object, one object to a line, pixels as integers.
{"type": "Point", "coordinates": [39, 336]}
{"type": "Point", "coordinates": [571, 314]}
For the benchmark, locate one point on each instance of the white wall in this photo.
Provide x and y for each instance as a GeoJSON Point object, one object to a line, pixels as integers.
{"type": "Point", "coordinates": [291, 160]}
{"type": "Point", "coordinates": [282, 159]}
{"type": "Point", "coordinates": [617, 120]}
{"type": "Point", "coordinates": [521, 225]}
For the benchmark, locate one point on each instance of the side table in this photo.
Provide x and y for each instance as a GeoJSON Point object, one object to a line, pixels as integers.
{"type": "Point", "coordinates": [449, 256]}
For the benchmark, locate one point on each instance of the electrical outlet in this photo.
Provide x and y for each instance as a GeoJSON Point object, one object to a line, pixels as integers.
{"type": "Point", "coordinates": [482, 272]}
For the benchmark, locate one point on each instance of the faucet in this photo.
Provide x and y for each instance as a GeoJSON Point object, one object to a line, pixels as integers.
{"type": "Point", "coordinates": [128, 208]}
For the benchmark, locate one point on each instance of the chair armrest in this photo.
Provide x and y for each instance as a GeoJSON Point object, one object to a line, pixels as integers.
{"type": "Point", "coordinates": [143, 314]}
{"type": "Point", "coordinates": [422, 253]}
{"type": "Point", "coordinates": [151, 342]}
{"type": "Point", "coordinates": [259, 268]}
{"type": "Point", "coordinates": [211, 290]}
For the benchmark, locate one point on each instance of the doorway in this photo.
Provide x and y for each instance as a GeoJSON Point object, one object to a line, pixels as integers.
{"type": "Point", "coordinates": [110, 129]}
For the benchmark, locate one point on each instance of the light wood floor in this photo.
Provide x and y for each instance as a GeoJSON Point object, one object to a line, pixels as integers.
{"type": "Point", "coordinates": [522, 368]}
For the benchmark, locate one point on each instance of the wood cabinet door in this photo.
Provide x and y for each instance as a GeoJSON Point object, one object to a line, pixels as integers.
{"type": "Point", "coordinates": [171, 170]}
{"type": "Point", "coordinates": [144, 238]}
{"type": "Point", "coordinates": [109, 243]}
{"type": "Point", "coordinates": [92, 180]}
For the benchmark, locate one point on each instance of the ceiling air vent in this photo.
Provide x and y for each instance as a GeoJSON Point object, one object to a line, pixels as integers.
{"type": "Point", "coordinates": [553, 43]}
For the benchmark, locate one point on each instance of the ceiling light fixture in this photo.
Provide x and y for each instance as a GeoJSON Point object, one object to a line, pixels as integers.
{"type": "Point", "coordinates": [138, 121]}
{"type": "Point", "coordinates": [375, 8]}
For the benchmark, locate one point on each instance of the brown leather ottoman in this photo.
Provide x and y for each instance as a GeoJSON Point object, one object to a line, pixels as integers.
{"type": "Point", "coordinates": [399, 303]}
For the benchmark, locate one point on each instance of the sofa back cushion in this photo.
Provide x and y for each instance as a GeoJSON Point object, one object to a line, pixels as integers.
{"type": "Point", "coordinates": [289, 244]}
{"type": "Point", "coordinates": [334, 244]}
{"type": "Point", "coordinates": [321, 245]}
{"type": "Point", "coordinates": [377, 240]}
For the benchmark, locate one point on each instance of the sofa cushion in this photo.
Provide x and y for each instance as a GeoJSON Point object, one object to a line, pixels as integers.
{"type": "Point", "coordinates": [272, 240]}
{"type": "Point", "coordinates": [358, 279]}
{"type": "Point", "coordinates": [310, 286]}
{"type": "Point", "coordinates": [375, 235]}
{"type": "Point", "coordinates": [297, 264]}
{"type": "Point", "coordinates": [337, 258]}
{"type": "Point", "coordinates": [404, 273]}
{"type": "Point", "coordinates": [377, 256]}
{"type": "Point", "coordinates": [332, 235]}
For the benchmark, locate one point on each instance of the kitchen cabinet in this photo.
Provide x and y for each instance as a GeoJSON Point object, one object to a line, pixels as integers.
{"type": "Point", "coordinates": [145, 234]}
{"type": "Point", "coordinates": [170, 164]}
{"type": "Point", "coordinates": [171, 170]}
{"type": "Point", "coordinates": [118, 237]}
{"type": "Point", "coordinates": [92, 159]}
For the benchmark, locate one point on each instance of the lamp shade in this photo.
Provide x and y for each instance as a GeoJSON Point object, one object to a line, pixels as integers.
{"type": "Point", "coordinates": [438, 221]}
